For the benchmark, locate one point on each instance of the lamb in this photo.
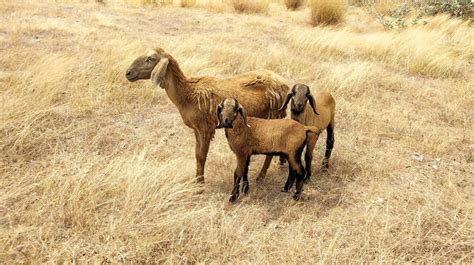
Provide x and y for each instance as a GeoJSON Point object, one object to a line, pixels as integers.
{"type": "Point", "coordinates": [321, 115]}
{"type": "Point", "coordinates": [261, 92]}
{"type": "Point", "coordinates": [249, 136]}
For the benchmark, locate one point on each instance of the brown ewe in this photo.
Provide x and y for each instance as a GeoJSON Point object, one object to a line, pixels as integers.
{"type": "Point", "coordinates": [260, 92]}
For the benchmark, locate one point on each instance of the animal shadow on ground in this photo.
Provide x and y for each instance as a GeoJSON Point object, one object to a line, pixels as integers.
{"type": "Point", "coordinates": [325, 191]}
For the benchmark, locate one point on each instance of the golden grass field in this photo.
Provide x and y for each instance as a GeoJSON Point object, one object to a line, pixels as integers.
{"type": "Point", "coordinates": [96, 169]}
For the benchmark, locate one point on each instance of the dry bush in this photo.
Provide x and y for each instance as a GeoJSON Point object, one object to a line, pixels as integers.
{"type": "Point", "coordinates": [215, 5]}
{"type": "Point", "coordinates": [250, 6]}
{"type": "Point", "coordinates": [327, 12]}
{"type": "Point", "coordinates": [187, 3]}
{"type": "Point", "coordinates": [293, 4]}
{"type": "Point", "coordinates": [149, 2]}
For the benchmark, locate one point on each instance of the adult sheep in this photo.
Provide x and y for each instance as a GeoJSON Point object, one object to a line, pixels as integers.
{"type": "Point", "coordinates": [260, 92]}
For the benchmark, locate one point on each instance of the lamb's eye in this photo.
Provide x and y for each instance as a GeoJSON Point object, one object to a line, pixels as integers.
{"type": "Point", "coordinates": [149, 60]}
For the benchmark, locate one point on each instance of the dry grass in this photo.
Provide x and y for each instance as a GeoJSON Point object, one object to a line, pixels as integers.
{"type": "Point", "coordinates": [327, 12]}
{"type": "Point", "coordinates": [95, 169]}
{"type": "Point", "coordinates": [293, 4]}
{"type": "Point", "coordinates": [250, 6]}
{"type": "Point", "coordinates": [187, 3]}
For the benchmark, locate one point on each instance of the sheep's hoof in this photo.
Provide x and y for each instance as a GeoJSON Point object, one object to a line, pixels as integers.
{"type": "Point", "coordinates": [245, 187]}
{"type": "Point", "coordinates": [200, 179]}
{"type": "Point", "coordinates": [233, 198]}
{"type": "Point", "coordinates": [284, 190]}
{"type": "Point", "coordinates": [297, 196]}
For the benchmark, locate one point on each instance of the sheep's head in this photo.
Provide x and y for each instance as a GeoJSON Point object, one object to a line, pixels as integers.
{"type": "Point", "coordinates": [151, 65]}
{"type": "Point", "coordinates": [227, 112]}
{"type": "Point", "coordinates": [300, 94]}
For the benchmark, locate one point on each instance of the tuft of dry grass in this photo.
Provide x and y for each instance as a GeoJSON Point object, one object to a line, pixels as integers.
{"type": "Point", "coordinates": [148, 2]}
{"type": "Point", "coordinates": [327, 12]}
{"type": "Point", "coordinates": [187, 3]}
{"type": "Point", "coordinates": [293, 4]}
{"type": "Point", "coordinates": [96, 169]}
{"type": "Point", "coordinates": [250, 6]}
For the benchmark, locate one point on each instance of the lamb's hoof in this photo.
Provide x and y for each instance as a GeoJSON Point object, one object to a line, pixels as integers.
{"type": "Point", "coordinates": [297, 196]}
{"type": "Point", "coordinates": [245, 187]}
{"type": "Point", "coordinates": [284, 190]}
{"type": "Point", "coordinates": [326, 164]}
{"type": "Point", "coordinates": [260, 178]}
{"type": "Point", "coordinates": [306, 180]}
{"type": "Point", "coordinates": [233, 198]}
{"type": "Point", "coordinates": [200, 179]}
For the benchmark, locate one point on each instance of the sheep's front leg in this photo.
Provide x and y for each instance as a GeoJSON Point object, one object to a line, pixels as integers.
{"type": "Point", "coordinates": [238, 174]}
{"type": "Point", "coordinates": [202, 148]}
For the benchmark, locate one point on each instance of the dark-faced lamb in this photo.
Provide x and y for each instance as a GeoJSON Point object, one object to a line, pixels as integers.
{"type": "Point", "coordinates": [320, 114]}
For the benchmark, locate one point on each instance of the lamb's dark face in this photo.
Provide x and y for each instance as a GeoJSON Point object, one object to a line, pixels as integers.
{"type": "Point", "coordinates": [227, 112]}
{"type": "Point", "coordinates": [142, 67]}
{"type": "Point", "coordinates": [300, 95]}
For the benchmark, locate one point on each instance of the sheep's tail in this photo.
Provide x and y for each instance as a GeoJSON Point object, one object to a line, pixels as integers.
{"type": "Point", "coordinates": [312, 129]}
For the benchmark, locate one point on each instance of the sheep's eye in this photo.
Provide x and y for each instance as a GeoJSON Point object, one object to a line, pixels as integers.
{"type": "Point", "coordinates": [149, 60]}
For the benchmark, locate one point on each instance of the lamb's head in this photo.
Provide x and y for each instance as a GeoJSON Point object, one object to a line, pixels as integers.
{"type": "Point", "coordinates": [300, 94]}
{"type": "Point", "coordinates": [227, 111]}
{"type": "Point", "coordinates": [151, 65]}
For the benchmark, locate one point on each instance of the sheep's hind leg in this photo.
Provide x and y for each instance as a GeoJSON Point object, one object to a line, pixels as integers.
{"type": "Point", "coordinates": [329, 145]}
{"type": "Point", "coordinates": [263, 171]}
{"type": "Point", "coordinates": [290, 180]}
{"type": "Point", "coordinates": [245, 183]}
{"type": "Point", "coordinates": [298, 173]}
{"type": "Point", "coordinates": [202, 148]}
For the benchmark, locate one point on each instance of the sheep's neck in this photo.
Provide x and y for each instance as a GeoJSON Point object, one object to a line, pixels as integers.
{"type": "Point", "coordinates": [177, 86]}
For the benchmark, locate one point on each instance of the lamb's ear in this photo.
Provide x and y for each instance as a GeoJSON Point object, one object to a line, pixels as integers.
{"type": "Point", "coordinates": [312, 102]}
{"type": "Point", "coordinates": [159, 72]}
{"type": "Point", "coordinates": [287, 99]}
{"type": "Point", "coordinates": [218, 114]}
{"type": "Point", "coordinates": [242, 112]}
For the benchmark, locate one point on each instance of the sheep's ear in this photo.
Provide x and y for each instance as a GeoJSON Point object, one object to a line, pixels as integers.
{"type": "Point", "coordinates": [242, 112]}
{"type": "Point", "coordinates": [159, 72]}
{"type": "Point", "coordinates": [287, 99]}
{"type": "Point", "coordinates": [312, 102]}
{"type": "Point", "coordinates": [218, 115]}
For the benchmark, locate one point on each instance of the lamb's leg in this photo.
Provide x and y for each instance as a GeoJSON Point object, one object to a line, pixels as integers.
{"type": "Point", "coordinates": [282, 160]}
{"type": "Point", "coordinates": [329, 145]}
{"type": "Point", "coordinates": [308, 156]}
{"type": "Point", "coordinates": [298, 172]}
{"type": "Point", "coordinates": [238, 173]}
{"type": "Point", "coordinates": [245, 183]}
{"type": "Point", "coordinates": [202, 148]}
{"type": "Point", "coordinates": [290, 180]}
{"type": "Point", "coordinates": [263, 171]}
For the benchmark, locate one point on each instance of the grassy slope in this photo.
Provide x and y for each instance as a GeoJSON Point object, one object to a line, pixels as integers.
{"type": "Point", "coordinates": [95, 168]}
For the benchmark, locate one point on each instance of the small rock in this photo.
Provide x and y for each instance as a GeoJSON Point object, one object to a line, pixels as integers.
{"type": "Point", "coordinates": [435, 167]}
{"type": "Point", "coordinates": [417, 157]}
{"type": "Point", "coordinates": [438, 159]}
